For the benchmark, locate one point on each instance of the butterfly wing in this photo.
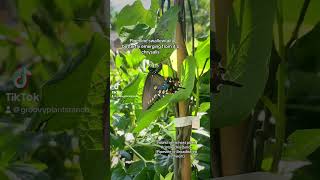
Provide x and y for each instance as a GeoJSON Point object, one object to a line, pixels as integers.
{"type": "Point", "coordinates": [150, 94]}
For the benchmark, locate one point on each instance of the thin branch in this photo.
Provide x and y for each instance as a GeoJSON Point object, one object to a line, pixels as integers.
{"type": "Point", "coordinates": [192, 26]}
{"type": "Point", "coordinates": [139, 155]}
{"type": "Point", "coordinates": [296, 30]}
{"type": "Point", "coordinates": [203, 68]}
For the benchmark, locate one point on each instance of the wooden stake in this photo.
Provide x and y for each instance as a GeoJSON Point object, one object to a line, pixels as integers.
{"type": "Point", "coordinates": [182, 165]}
{"type": "Point", "coordinates": [232, 139]}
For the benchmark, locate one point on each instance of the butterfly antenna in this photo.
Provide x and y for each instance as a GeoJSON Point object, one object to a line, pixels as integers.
{"type": "Point", "coordinates": [231, 83]}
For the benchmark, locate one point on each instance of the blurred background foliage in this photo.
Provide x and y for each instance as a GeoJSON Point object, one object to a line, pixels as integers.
{"type": "Point", "coordinates": [300, 62]}
{"type": "Point", "coordinates": [63, 44]}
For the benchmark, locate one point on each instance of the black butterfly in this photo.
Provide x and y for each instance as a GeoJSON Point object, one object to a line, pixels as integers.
{"type": "Point", "coordinates": [156, 87]}
{"type": "Point", "coordinates": [218, 75]}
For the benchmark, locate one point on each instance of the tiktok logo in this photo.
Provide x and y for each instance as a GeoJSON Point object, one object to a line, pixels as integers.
{"type": "Point", "coordinates": [21, 77]}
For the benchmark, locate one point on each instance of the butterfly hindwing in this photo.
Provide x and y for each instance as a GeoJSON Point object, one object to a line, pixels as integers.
{"type": "Point", "coordinates": [151, 90]}
{"type": "Point", "coordinates": [156, 86]}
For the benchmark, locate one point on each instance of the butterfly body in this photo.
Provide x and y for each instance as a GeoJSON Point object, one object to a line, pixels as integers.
{"type": "Point", "coordinates": [219, 75]}
{"type": "Point", "coordinates": [156, 87]}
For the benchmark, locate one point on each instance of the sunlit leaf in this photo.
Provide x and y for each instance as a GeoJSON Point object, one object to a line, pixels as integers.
{"type": "Point", "coordinates": [137, 14]}
{"type": "Point", "coordinates": [202, 56]}
{"type": "Point", "coordinates": [165, 30]}
{"type": "Point", "coordinates": [188, 79]}
{"type": "Point", "coordinates": [301, 144]}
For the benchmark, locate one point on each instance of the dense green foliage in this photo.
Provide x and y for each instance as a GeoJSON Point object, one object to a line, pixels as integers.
{"type": "Point", "coordinates": [135, 133]}
{"type": "Point", "coordinates": [66, 53]}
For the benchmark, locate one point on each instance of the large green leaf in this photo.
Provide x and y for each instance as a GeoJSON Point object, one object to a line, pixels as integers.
{"type": "Point", "coordinates": [3, 174]}
{"type": "Point", "coordinates": [130, 92]}
{"type": "Point", "coordinates": [27, 8]}
{"type": "Point", "coordinates": [188, 78]}
{"type": "Point", "coordinates": [119, 173]}
{"type": "Point", "coordinates": [136, 13]}
{"type": "Point", "coordinates": [301, 144]}
{"type": "Point", "coordinates": [136, 167]}
{"type": "Point", "coordinates": [165, 30]}
{"type": "Point", "coordinates": [93, 164]}
{"type": "Point", "coordinates": [304, 54]}
{"type": "Point", "coordinates": [202, 56]}
{"type": "Point", "coordinates": [248, 65]}
{"type": "Point", "coordinates": [138, 31]}
{"type": "Point", "coordinates": [70, 87]}
{"type": "Point", "coordinates": [134, 58]}
{"type": "Point", "coordinates": [291, 13]}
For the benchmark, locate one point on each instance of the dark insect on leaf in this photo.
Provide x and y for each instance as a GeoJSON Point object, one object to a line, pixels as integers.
{"type": "Point", "coordinates": [155, 69]}
{"type": "Point", "coordinates": [150, 93]}
{"type": "Point", "coordinates": [156, 87]}
{"type": "Point", "coordinates": [218, 75]}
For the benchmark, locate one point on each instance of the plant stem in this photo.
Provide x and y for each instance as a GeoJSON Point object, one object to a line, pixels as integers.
{"type": "Point", "coordinates": [280, 129]}
{"type": "Point", "coordinates": [182, 166]}
{"type": "Point", "coordinates": [295, 32]}
{"type": "Point", "coordinates": [280, 28]}
{"type": "Point", "coordinates": [139, 155]}
{"type": "Point", "coordinates": [281, 77]}
{"type": "Point", "coordinates": [192, 26]}
{"type": "Point", "coordinates": [197, 97]}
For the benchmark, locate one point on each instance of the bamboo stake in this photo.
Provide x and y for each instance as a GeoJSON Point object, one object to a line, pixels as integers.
{"type": "Point", "coordinates": [232, 139]}
{"type": "Point", "coordinates": [182, 165]}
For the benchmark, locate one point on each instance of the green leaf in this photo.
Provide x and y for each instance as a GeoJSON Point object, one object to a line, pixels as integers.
{"type": "Point", "coordinates": [249, 64]}
{"type": "Point", "coordinates": [70, 87]}
{"type": "Point", "coordinates": [130, 92]}
{"type": "Point", "coordinates": [202, 54]}
{"type": "Point", "coordinates": [120, 174]}
{"type": "Point", "coordinates": [139, 31]}
{"type": "Point", "coordinates": [142, 175]}
{"type": "Point", "coordinates": [146, 151]}
{"type": "Point", "coordinates": [93, 164]}
{"type": "Point", "coordinates": [120, 121]}
{"type": "Point", "coordinates": [162, 164]}
{"type": "Point", "coordinates": [165, 30]}
{"type": "Point", "coordinates": [166, 71]}
{"type": "Point", "coordinates": [205, 106]}
{"type": "Point", "coordinates": [27, 8]}
{"type": "Point", "coordinates": [151, 114]}
{"type": "Point", "coordinates": [291, 13]}
{"type": "Point", "coordinates": [134, 58]}
{"type": "Point", "coordinates": [119, 61]}
{"type": "Point", "coordinates": [136, 13]}
{"type": "Point", "coordinates": [91, 138]}
{"type": "Point", "coordinates": [65, 7]}
{"type": "Point", "coordinates": [98, 85]}
{"type": "Point", "coordinates": [136, 168]}
{"type": "Point", "coordinates": [4, 175]}
{"type": "Point", "coordinates": [301, 144]}
{"type": "Point", "coordinates": [169, 176]}
{"type": "Point", "coordinates": [8, 31]}
{"type": "Point", "coordinates": [188, 78]}
{"type": "Point", "coordinates": [117, 141]}
{"type": "Point", "coordinates": [19, 170]}
{"type": "Point", "coordinates": [304, 54]}
{"type": "Point", "coordinates": [45, 47]}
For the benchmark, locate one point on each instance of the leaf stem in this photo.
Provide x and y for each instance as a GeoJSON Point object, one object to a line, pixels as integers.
{"type": "Point", "coordinates": [197, 97]}
{"type": "Point", "coordinates": [296, 30]}
{"type": "Point", "coordinates": [279, 113]}
{"type": "Point", "coordinates": [192, 26]}
{"type": "Point", "coordinates": [139, 155]}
